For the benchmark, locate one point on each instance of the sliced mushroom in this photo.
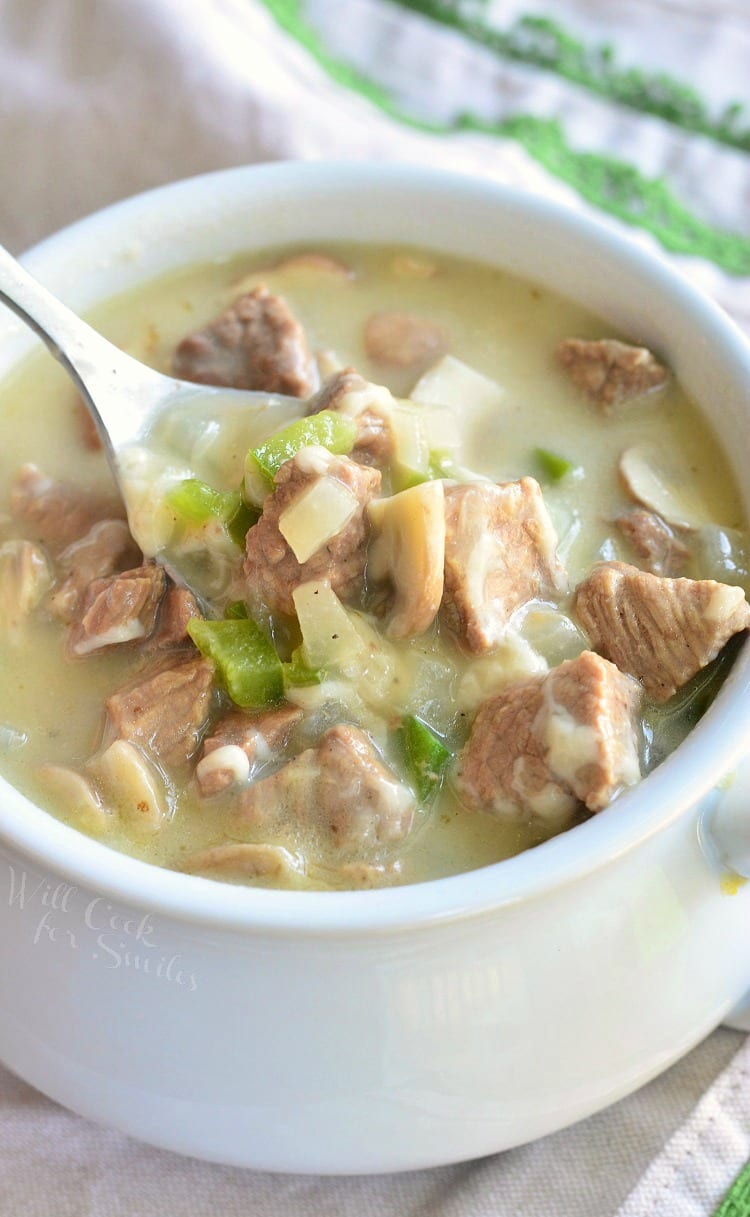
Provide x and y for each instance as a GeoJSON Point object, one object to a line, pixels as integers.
{"type": "Point", "coordinates": [316, 263]}
{"type": "Point", "coordinates": [409, 551]}
{"type": "Point", "coordinates": [133, 786]}
{"type": "Point", "coordinates": [76, 797]}
{"type": "Point", "coordinates": [514, 660]}
{"type": "Point", "coordinates": [647, 481]}
{"type": "Point", "coordinates": [366, 874]}
{"type": "Point", "coordinates": [403, 340]}
{"type": "Point", "coordinates": [308, 265]}
{"type": "Point", "coordinates": [318, 514]}
{"type": "Point", "coordinates": [25, 577]}
{"type": "Point", "coordinates": [245, 861]}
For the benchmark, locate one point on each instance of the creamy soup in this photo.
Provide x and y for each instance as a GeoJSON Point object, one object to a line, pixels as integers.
{"type": "Point", "coordinates": [493, 577]}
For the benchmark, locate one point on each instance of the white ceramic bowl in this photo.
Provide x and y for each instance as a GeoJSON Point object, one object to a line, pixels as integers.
{"type": "Point", "coordinates": [373, 1031]}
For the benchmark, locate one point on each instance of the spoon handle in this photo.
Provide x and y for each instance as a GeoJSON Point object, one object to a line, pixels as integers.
{"type": "Point", "coordinates": [107, 379]}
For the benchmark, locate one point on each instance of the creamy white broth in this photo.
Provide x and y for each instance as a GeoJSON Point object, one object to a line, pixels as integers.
{"type": "Point", "coordinates": [503, 328]}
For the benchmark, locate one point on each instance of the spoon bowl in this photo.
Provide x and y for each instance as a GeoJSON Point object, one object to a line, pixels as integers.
{"type": "Point", "coordinates": [123, 396]}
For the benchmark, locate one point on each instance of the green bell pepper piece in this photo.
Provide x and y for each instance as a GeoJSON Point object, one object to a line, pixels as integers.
{"type": "Point", "coordinates": [246, 662]}
{"type": "Point", "coordinates": [241, 522]}
{"type": "Point", "coordinates": [554, 467]}
{"type": "Point", "coordinates": [197, 503]}
{"type": "Point", "coordinates": [236, 610]}
{"type": "Point", "coordinates": [330, 430]}
{"type": "Point", "coordinates": [298, 672]}
{"type": "Point", "coordinates": [425, 756]}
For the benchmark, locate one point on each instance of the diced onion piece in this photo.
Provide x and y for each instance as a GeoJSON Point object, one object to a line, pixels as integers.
{"type": "Point", "coordinates": [485, 676]}
{"type": "Point", "coordinates": [449, 382]}
{"type": "Point", "coordinates": [724, 555]}
{"type": "Point", "coordinates": [76, 798]}
{"type": "Point", "coordinates": [647, 481]}
{"type": "Point", "coordinates": [409, 551]}
{"type": "Point", "coordinates": [317, 515]}
{"type": "Point", "coordinates": [134, 787]}
{"type": "Point", "coordinates": [382, 675]}
{"type": "Point", "coordinates": [552, 633]}
{"type": "Point", "coordinates": [440, 427]}
{"type": "Point", "coordinates": [342, 642]}
{"type": "Point", "coordinates": [329, 638]}
{"type": "Point", "coordinates": [411, 449]}
{"type": "Point", "coordinates": [566, 520]}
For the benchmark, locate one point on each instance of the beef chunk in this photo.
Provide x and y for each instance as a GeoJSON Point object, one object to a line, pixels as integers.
{"type": "Point", "coordinates": [403, 340]}
{"type": "Point", "coordinates": [346, 392]}
{"type": "Point", "coordinates": [105, 548]}
{"type": "Point", "coordinates": [254, 344]}
{"type": "Point", "coordinates": [610, 373]}
{"type": "Point", "coordinates": [255, 737]}
{"type": "Point", "coordinates": [271, 569]}
{"type": "Point", "coordinates": [499, 553]}
{"type": "Point", "coordinates": [178, 608]}
{"type": "Point", "coordinates": [542, 746]}
{"type": "Point", "coordinates": [341, 789]}
{"type": "Point", "coordinates": [119, 609]}
{"type": "Point", "coordinates": [165, 710]}
{"type": "Point", "coordinates": [57, 512]}
{"type": "Point", "coordinates": [589, 728]}
{"type": "Point", "coordinates": [654, 541]}
{"type": "Point", "coordinates": [660, 630]}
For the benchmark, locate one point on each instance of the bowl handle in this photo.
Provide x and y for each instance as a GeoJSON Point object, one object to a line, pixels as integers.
{"type": "Point", "coordinates": [725, 837]}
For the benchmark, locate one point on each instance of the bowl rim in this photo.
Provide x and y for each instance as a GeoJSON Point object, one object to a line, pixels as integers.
{"type": "Point", "coordinates": [681, 782]}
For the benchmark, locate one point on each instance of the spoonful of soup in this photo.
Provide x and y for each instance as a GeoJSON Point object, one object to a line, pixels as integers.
{"type": "Point", "coordinates": [131, 404]}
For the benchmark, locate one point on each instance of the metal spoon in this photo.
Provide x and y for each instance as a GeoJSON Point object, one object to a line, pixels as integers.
{"type": "Point", "coordinates": [123, 396]}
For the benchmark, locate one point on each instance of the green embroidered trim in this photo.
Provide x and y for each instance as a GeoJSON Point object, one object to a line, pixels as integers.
{"type": "Point", "coordinates": [609, 184]}
{"type": "Point", "coordinates": [736, 1203]}
{"type": "Point", "coordinates": [618, 188]}
{"type": "Point", "coordinates": [543, 43]}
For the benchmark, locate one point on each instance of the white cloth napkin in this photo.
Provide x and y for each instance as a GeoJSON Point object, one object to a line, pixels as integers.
{"type": "Point", "coordinates": [102, 98]}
